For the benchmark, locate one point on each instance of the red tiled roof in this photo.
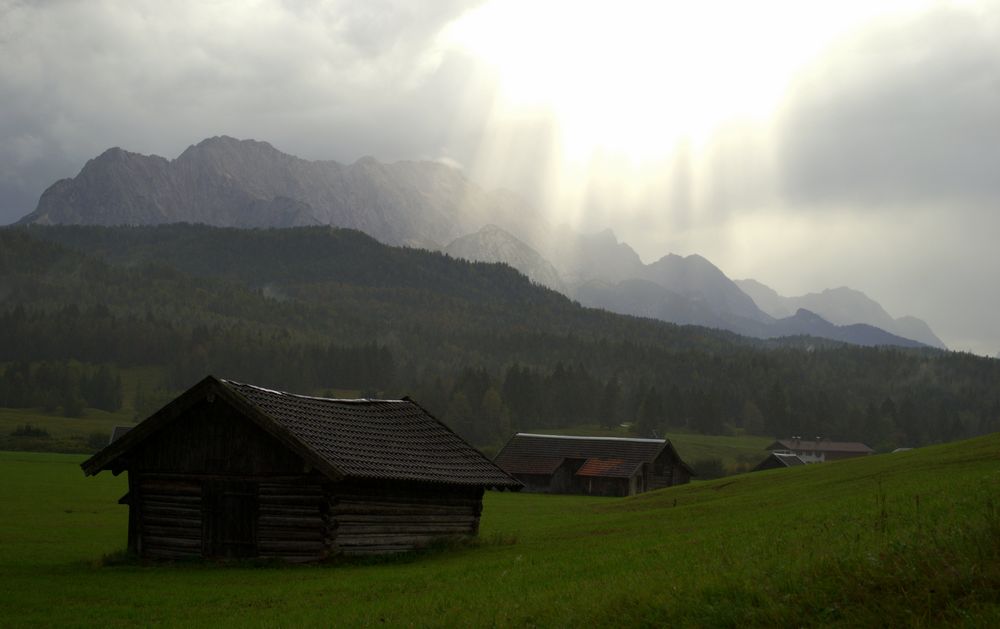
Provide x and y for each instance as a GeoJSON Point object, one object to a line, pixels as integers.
{"type": "Point", "coordinates": [605, 467]}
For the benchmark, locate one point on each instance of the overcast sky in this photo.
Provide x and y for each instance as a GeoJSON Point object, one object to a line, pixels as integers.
{"type": "Point", "coordinates": [854, 147]}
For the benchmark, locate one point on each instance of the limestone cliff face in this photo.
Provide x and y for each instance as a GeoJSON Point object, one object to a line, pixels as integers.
{"type": "Point", "coordinates": [244, 183]}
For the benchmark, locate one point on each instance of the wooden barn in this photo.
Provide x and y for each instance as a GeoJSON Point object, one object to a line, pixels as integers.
{"type": "Point", "coordinates": [601, 466]}
{"type": "Point", "coordinates": [235, 470]}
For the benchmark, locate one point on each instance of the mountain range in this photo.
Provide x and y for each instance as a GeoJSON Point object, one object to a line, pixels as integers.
{"type": "Point", "coordinates": [226, 182]}
{"type": "Point", "coordinates": [691, 290]}
{"type": "Point", "coordinates": [840, 306]}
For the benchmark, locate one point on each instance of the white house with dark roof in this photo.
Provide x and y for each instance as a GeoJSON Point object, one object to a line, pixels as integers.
{"type": "Point", "coordinates": [819, 450]}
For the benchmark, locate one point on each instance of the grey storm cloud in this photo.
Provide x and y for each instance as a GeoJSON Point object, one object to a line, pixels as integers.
{"type": "Point", "coordinates": [321, 79]}
{"type": "Point", "coordinates": [900, 114]}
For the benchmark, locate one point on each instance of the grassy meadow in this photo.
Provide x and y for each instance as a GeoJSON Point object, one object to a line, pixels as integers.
{"type": "Point", "coordinates": [81, 434]}
{"type": "Point", "coordinates": [909, 539]}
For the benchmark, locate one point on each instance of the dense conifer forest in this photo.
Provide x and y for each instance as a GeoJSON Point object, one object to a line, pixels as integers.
{"type": "Point", "coordinates": [319, 309]}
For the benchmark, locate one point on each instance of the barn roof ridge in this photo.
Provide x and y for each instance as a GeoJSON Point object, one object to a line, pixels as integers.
{"type": "Point", "coordinates": [359, 400]}
{"type": "Point", "coordinates": [629, 439]}
{"type": "Point", "coordinates": [396, 441]}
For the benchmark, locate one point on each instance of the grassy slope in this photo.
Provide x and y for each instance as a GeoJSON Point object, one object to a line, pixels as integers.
{"type": "Point", "coordinates": [69, 434]}
{"type": "Point", "coordinates": [66, 434]}
{"type": "Point", "coordinates": [911, 538]}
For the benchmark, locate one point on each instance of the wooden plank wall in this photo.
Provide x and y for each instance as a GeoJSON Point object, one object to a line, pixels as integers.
{"type": "Point", "coordinates": [170, 518]}
{"type": "Point", "coordinates": [214, 439]}
{"type": "Point", "coordinates": [680, 475]}
{"type": "Point", "coordinates": [368, 521]}
{"type": "Point", "coordinates": [292, 522]}
{"type": "Point", "coordinates": [667, 465]}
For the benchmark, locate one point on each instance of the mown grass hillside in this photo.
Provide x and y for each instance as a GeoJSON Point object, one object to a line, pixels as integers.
{"type": "Point", "coordinates": [909, 539]}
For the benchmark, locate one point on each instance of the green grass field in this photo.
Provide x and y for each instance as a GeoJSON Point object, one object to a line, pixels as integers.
{"type": "Point", "coordinates": [66, 434]}
{"type": "Point", "coordinates": [910, 539]}
{"type": "Point", "coordinates": [73, 434]}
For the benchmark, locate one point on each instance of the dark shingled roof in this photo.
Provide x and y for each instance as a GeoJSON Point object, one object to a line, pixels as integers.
{"type": "Point", "coordinates": [391, 439]}
{"type": "Point", "coordinates": [604, 456]}
{"type": "Point", "coordinates": [372, 439]}
{"type": "Point", "coordinates": [788, 460]}
{"type": "Point", "coordinates": [118, 432]}
{"type": "Point", "coordinates": [777, 460]}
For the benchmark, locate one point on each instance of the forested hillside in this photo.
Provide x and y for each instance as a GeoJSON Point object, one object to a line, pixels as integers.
{"type": "Point", "coordinates": [316, 309]}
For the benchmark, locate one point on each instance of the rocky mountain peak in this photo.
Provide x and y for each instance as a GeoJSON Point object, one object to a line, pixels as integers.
{"type": "Point", "coordinates": [494, 244]}
{"type": "Point", "coordinates": [808, 316]}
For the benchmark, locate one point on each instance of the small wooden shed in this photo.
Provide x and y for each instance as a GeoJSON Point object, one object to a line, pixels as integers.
{"type": "Point", "coordinates": [600, 466]}
{"type": "Point", "coordinates": [777, 460]}
{"type": "Point", "coordinates": [236, 470]}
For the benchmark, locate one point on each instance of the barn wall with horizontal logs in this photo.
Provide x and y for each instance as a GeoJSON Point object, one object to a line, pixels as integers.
{"type": "Point", "coordinates": [214, 484]}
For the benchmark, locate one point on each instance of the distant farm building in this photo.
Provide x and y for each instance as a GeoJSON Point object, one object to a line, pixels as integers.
{"type": "Point", "coordinates": [234, 470]}
{"type": "Point", "coordinates": [819, 450]}
{"type": "Point", "coordinates": [118, 432]}
{"type": "Point", "coordinates": [777, 460]}
{"type": "Point", "coordinates": [601, 466]}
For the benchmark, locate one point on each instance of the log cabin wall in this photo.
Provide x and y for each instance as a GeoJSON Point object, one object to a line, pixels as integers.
{"type": "Point", "coordinates": [212, 483]}
{"type": "Point", "coordinates": [372, 517]}
{"type": "Point", "coordinates": [564, 479]}
{"type": "Point", "coordinates": [662, 471]}
{"type": "Point", "coordinates": [680, 475]}
{"type": "Point", "coordinates": [293, 519]}
{"type": "Point", "coordinates": [606, 486]}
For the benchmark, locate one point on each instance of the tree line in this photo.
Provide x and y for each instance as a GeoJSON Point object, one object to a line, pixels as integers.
{"type": "Point", "coordinates": [61, 385]}
{"type": "Point", "coordinates": [476, 344]}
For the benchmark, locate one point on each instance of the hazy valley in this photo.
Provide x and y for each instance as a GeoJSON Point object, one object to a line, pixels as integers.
{"type": "Point", "coordinates": [481, 313]}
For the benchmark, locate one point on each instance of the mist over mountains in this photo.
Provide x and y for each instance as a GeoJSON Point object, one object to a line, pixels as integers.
{"type": "Point", "coordinates": [493, 244]}
{"type": "Point", "coordinates": [840, 306]}
{"type": "Point", "coordinates": [226, 182]}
